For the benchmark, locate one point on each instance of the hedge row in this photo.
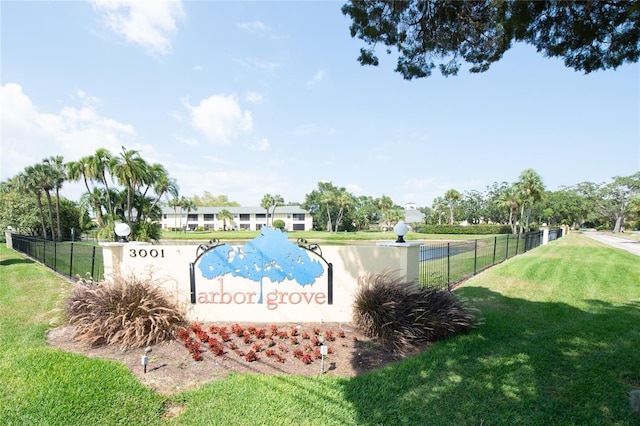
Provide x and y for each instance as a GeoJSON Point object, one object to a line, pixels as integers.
{"type": "Point", "coordinates": [459, 229]}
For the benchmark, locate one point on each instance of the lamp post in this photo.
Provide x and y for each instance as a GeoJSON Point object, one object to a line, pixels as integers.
{"type": "Point", "coordinates": [401, 230]}
{"type": "Point", "coordinates": [122, 231]}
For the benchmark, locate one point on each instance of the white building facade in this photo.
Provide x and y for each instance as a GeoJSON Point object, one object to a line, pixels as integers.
{"type": "Point", "coordinates": [244, 218]}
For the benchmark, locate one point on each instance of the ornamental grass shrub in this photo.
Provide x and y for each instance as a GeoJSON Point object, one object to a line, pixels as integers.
{"type": "Point", "coordinates": [128, 312]}
{"type": "Point", "coordinates": [400, 314]}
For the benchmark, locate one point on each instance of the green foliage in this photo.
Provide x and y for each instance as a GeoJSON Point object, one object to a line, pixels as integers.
{"type": "Point", "coordinates": [209, 200]}
{"type": "Point", "coordinates": [459, 229]}
{"type": "Point", "coordinates": [146, 231]}
{"type": "Point", "coordinates": [129, 312]}
{"type": "Point", "coordinates": [279, 224]}
{"type": "Point", "coordinates": [589, 36]}
{"type": "Point", "coordinates": [401, 314]}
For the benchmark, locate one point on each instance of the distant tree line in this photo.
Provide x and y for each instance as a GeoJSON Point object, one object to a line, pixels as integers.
{"type": "Point", "coordinates": [126, 188]}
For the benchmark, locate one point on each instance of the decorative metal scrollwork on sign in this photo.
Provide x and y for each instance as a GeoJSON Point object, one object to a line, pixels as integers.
{"type": "Point", "coordinates": [270, 255]}
{"type": "Point", "coordinates": [315, 248]}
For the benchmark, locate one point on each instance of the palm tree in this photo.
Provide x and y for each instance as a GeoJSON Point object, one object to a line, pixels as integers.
{"type": "Point", "coordinates": [175, 203]}
{"type": "Point", "coordinates": [452, 197]}
{"type": "Point", "coordinates": [225, 215]}
{"type": "Point", "coordinates": [132, 171]}
{"type": "Point", "coordinates": [383, 203]}
{"type": "Point", "coordinates": [28, 181]}
{"type": "Point", "coordinates": [277, 202]}
{"type": "Point", "coordinates": [82, 169]}
{"type": "Point", "coordinates": [393, 215]}
{"type": "Point", "coordinates": [344, 200]}
{"type": "Point", "coordinates": [266, 203]}
{"type": "Point", "coordinates": [327, 198]}
{"type": "Point", "coordinates": [531, 190]}
{"type": "Point", "coordinates": [43, 179]}
{"type": "Point", "coordinates": [58, 173]}
{"type": "Point", "coordinates": [509, 199]}
{"type": "Point", "coordinates": [162, 183]}
{"type": "Point", "coordinates": [188, 205]}
{"type": "Point", "coordinates": [101, 162]}
{"type": "Point", "coordinates": [439, 205]}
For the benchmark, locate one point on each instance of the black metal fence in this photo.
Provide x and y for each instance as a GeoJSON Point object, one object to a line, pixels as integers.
{"type": "Point", "coordinates": [442, 265]}
{"type": "Point", "coordinates": [71, 259]}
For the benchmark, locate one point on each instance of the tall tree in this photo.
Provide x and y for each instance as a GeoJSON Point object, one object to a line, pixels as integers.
{"type": "Point", "coordinates": [588, 35]}
{"type": "Point", "coordinates": [57, 170]}
{"type": "Point", "coordinates": [188, 205]}
{"type": "Point", "coordinates": [452, 197]}
{"type": "Point", "coordinates": [28, 181]}
{"type": "Point", "coordinates": [531, 190]}
{"type": "Point", "coordinates": [100, 163]}
{"type": "Point", "coordinates": [509, 200]}
{"type": "Point", "coordinates": [612, 199]}
{"type": "Point", "coordinates": [132, 171]}
{"type": "Point", "coordinates": [266, 203]}
{"type": "Point", "coordinates": [81, 169]}
{"type": "Point", "coordinates": [439, 205]}
{"type": "Point", "coordinates": [225, 215]}
{"type": "Point", "coordinates": [343, 200]}
{"type": "Point", "coordinates": [175, 203]}
{"type": "Point", "coordinates": [278, 201]}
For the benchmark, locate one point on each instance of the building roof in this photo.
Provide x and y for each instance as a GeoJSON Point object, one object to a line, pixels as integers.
{"type": "Point", "coordinates": [238, 210]}
{"type": "Point", "coordinates": [413, 216]}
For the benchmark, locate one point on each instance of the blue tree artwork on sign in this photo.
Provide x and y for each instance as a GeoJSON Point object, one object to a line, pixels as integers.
{"type": "Point", "coordinates": [269, 255]}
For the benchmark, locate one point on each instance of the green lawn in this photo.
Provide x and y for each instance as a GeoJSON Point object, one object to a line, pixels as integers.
{"type": "Point", "coordinates": [559, 346]}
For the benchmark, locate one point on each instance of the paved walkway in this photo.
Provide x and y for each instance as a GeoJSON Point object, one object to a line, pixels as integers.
{"type": "Point", "coordinates": [632, 247]}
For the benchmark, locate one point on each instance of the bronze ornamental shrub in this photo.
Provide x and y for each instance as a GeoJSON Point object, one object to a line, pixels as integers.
{"type": "Point", "coordinates": [401, 314]}
{"type": "Point", "coordinates": [129, 312]}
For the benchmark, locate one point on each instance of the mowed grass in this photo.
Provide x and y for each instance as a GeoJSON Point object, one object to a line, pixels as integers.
{"type": "Point", "coordinates": [559, 346]}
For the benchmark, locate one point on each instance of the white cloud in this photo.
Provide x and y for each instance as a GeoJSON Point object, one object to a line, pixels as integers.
{"type": "Point", "coordinates": [261, 145]}
{"type": "Point", "coordinates": [198, 68]}
{"type": "Point", "coordinates": [147, 24]}
{"type": "Point", "coordinates": [254, 27]}
{"type": "Point", "coordinates": [317, 78]}
{"type": "Point", "coordinates": [28, 135]}
{"type": "Point", "coordinates": [253, 97]}
{"type": "Point", "coordinates": [220, 118]}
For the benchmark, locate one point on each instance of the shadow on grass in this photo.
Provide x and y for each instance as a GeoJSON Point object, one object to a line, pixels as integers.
{"type": "Point", "coordinates": [531, 363]}
{"type": "Point", "coordinates": [9, 262]}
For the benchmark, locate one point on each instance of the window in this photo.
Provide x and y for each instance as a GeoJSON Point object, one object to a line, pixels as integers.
{"type": "Point", "coordinates": [261, 216]}
{"type": "Point", "coordinates": [208, 217]}
{"type": "Point", "coordinates": [192, 216]}
{"type": "Point", "coordinates": [298, 216]}
{"type": "Point", "coordinates": [245, 217]}
{"type": "Point", "coordinates": [244, 226]}
{"type": "Point", "coordinates": [298, 226]}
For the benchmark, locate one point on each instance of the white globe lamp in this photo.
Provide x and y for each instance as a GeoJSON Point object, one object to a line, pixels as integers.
{"type": "Point", "coordinates": [122, 231]}
{"type": "Point", "coordinates": [401, 230]}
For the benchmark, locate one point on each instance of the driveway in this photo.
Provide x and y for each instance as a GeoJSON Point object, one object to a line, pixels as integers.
{"type": "Point", "coordinates": [632, 247]}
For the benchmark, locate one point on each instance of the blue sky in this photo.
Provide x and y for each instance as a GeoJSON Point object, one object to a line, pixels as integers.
{"type": "Point", "coordinates": [249, 98]}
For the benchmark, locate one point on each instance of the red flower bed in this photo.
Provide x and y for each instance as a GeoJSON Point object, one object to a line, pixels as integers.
{"type": "Point", "coordinates": [247, 343]}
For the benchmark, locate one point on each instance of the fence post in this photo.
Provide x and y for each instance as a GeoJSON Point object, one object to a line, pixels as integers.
{"type": "Point", "coordinates": [71, 261]}
{"type": "Point", "coordinates": [55, 256]}
{"type": "Point", "coordinates": [495, 246]}
{"type": "Point", "coordinates": [448, 263]}
{"type": "Point", "coordinates": [517, 242]}
{"type": "Point", "coordinates": [507, 253]}
{"type": "Point", "coordinates": [475, 256]}
{"type": "Point", "coordinates": [93, 262]}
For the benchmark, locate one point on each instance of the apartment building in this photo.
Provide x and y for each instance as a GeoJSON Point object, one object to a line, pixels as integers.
{"type": "Point", "coordinates": [244, 218]}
